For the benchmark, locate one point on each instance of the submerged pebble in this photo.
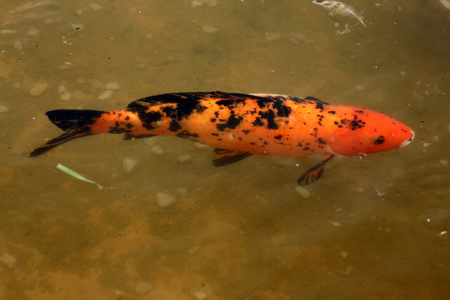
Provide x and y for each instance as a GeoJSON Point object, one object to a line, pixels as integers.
{"type": "Point", "coordinates": [209, 29]}
{"type": "Point", "coordinates": [62, 89]}
{"type": "Point", "coordinates": [194, 249]}
{"type": "Point", "coordinates": [200, 295]}
{"type": "Point", "coordinates": [3, 109]}
{"type": "Point", "coordinates": [24, 7]}
{"type": "Point", "coordinates": [34, 32]}
{"type": "Point", "coordinates": [164, 200]}
{"type": "Point", "coordinates": [210, 3]}
{"type": "Point", "coordinates": [183, 192]}
{"type": "Point", "coordinates": [7, 32]}
{"type": "Point", "coordinates": [65, 65]}
{"type": "Point", "coordinates": [95, 6]}
{"type": "Point", "coordinates": [112, 86]}
{"type": "Point", "coordinates": [142, 288]}
{"type": "Point", "coordinates": [66, 96]}
{"type": "Point", "coordinates": [8, 261]}
{"type": "Point", "coordinates": [272, 36]}
{"type": "Point", "coordinates": [38, 89]}
{"type": "Point", "coordinates": [18, 45]}
{"type": "Point", "coordinates": [157, 150]}
{"type": "Point", "coordinates": [183, 158]}
{"type": "Point", "coordinates": [78, 27]}
{"type": "Point", "coordinates": [303, 192]}
{"type": "Point", "coordinates": [150, 142]}
{"type": "Point", "coordinates": [128, 164]}
{"type": "Point", "coordinates": [106, 94]}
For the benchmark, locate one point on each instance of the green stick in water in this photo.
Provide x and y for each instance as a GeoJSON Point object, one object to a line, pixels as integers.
{"type": "Point", "coordinates": [76, 175]}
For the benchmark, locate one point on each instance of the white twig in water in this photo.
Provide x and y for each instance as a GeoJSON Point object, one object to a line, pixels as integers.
{"type": "Point", "coordinates": [338, 8]}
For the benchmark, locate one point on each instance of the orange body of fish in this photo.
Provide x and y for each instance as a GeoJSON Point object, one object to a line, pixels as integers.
{"type": "Point", "coordinates": [238, 125]}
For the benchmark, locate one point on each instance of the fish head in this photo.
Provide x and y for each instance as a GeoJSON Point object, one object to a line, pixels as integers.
{"type": "Point", "coordinates": [366, 132]}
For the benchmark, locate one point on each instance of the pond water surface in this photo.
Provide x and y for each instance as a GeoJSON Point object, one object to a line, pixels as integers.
{"type": "Point", "coordinates": [371, 228]}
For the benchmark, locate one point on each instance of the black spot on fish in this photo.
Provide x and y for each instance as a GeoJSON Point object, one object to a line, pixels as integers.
{"type": "Point", "coordinates": [232, 122]}
{"type": "Point", "coordinates": [213, 120]}
{"type": "Point", "coordinates": [174, 126]}
{"type": "Point", "coordinates": [316, 131]}
{"type": "Point", "coordinates": [185, 108]}
{"type": "Point", "coordinates": [214, 134]}
{"type": "Point", "coordinates": [117, 128]}
{"type": "Point", "coordinates": [278, 137]}
{"type": "Point", "coordinates": [129, 126]}
{"type": "Point", "coordinates": [187, 134]}
{"type": "Point", "coordinates": [169, 111]}
{"type": "Point", "coordinates": [359, 111]}
{"type": "Point", "coordinates": [258, 122]}
{"type": "Point", "coordinates": [261, 103]}
{"type": "Point", "coordinates": [270, 117]}
{"type": "Point", "coordinates": [282, 110]}
{"type": "Point", "coordinates": [246, 131]}
{"type": "Point", "coordinates": [320, 141]}
{"type": "Point", "coordinates": [319, 103]}
{"type": "Point", "coordinates": [147, 118]}
{"type": "Point", "coordinates": [230, 103]}
{"type": "Point", "coordinates": [185, 103]}
{"type": "Point", "coordinates": [379, 140]}
{"type": "Point", "coordinates": [356, 123]}
{"type": "Point", "coordinates": [127, 118]}
{"type": "Point", "coordinates": [332, 112]}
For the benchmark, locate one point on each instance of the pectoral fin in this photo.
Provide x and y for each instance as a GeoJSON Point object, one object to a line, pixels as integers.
{"type": "Point", "coordinates": [314, 173]}
{"type": "Point", "coordinates": [224, 157]}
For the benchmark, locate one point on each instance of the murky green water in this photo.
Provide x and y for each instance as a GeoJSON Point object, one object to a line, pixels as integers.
{"type": "Point", "coordinates": [373, 228]}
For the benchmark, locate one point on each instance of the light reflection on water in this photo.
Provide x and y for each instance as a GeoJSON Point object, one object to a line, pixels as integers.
{"type": "Point", "coordinates": [373, 228]}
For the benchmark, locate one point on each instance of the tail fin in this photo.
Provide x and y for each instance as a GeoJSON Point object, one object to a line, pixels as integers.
{"type": "Point", "coordinates": [76, 123]}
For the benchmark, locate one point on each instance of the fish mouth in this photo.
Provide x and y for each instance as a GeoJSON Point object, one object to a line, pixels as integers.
{"type": "Point", "coordinates": [406, 142]}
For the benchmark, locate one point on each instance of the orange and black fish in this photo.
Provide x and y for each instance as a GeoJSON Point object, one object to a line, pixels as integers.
{"type": "Point", "coordinates": [239, 125]}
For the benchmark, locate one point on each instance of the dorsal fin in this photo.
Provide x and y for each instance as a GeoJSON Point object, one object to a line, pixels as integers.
{"type": "Point", "coordinates": [174, 98]}
{"type": "Point", "coordinates": [187, 99]}
{"type": "Point", "coordinates": [223, 157]}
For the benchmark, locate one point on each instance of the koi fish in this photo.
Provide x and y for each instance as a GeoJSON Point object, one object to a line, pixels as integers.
{"type": "Point", "coordinates": [239, 125]}
{"type": "Point", "coordinates": [338, 8]}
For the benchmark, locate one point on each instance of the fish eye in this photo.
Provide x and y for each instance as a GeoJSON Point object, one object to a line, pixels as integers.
{"type": "Point", "coordinates": [379, 140]}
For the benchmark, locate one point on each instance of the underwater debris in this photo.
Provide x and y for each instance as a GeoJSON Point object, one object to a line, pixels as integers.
{"type": "Point", "coordinates": [76, 175]}
{"type": "Point", "coordinates": [338, 8]}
